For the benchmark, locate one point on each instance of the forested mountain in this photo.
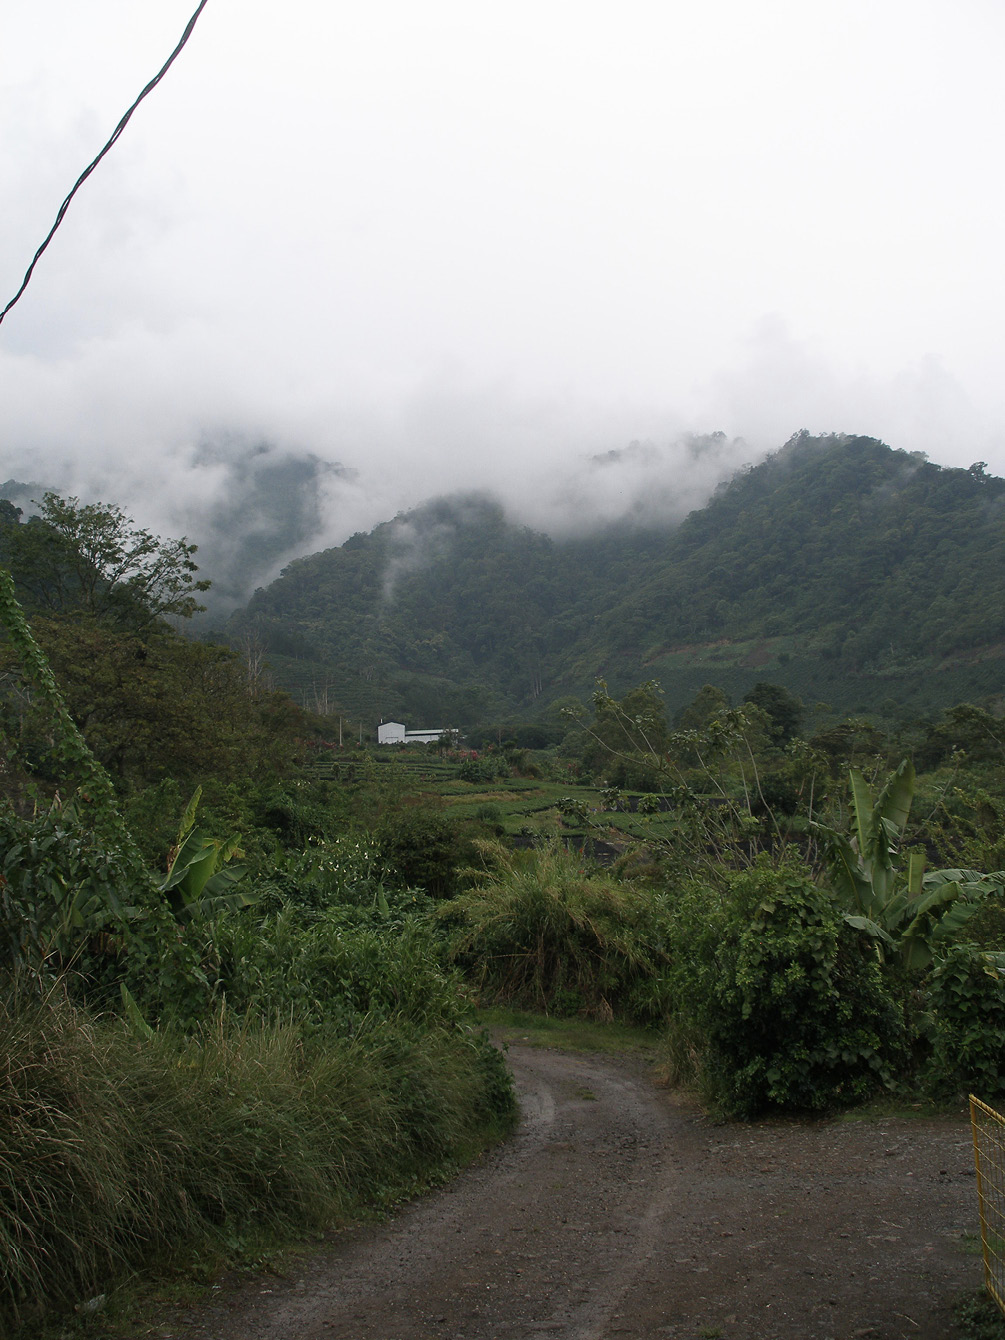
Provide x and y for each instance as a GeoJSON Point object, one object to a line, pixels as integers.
{"type": "Point", "coordinates": [852, 573]}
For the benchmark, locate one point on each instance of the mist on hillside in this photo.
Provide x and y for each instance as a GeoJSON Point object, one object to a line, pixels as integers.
{"type": "Point", "coordinates": [253, 505]}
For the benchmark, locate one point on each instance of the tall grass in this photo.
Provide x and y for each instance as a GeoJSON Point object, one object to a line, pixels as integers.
{"type": "Point", "coordinates": [543, 930]}
{"type": "Point", "coordinates": [116, 1148]}
{"type": "Point", "coordinates": [335, 965]}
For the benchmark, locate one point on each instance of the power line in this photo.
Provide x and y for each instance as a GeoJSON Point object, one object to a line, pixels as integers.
{"type": "Point", "coordinates": [91, 166]}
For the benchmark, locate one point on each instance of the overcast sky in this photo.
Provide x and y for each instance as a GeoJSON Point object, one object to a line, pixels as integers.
{"type": "Point", "coordinates": [450, 244]}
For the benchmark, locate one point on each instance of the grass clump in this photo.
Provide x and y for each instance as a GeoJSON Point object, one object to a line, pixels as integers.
{"type": "Point", "coordinates": [118, 1149]}
{"type": "Point", "coordinates": [544, 930]}
{"type": "Point", "coordinates": [339, 965]}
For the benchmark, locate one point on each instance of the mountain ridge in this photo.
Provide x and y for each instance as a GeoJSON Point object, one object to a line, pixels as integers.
{"type": "Point", "coordinates": [845, 569]}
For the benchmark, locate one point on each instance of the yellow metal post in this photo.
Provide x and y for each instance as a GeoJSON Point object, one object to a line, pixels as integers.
{"type": "Point", "coordinates": [988, 1128]}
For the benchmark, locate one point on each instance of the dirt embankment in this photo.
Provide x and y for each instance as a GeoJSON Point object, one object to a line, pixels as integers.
{"type": "Point", "coordinates": [618, 1210]}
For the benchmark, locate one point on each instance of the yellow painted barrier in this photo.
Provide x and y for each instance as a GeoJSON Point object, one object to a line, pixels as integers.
{"type": "Point", "coordinates": [989, 1161]}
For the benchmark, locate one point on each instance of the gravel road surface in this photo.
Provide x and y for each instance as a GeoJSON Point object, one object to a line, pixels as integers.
{"type": "Point", "coordinates": [618, 1209]}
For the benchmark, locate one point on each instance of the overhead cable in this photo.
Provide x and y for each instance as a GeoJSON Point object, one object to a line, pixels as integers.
{"type": "Point", "coordinates": [91, 166]}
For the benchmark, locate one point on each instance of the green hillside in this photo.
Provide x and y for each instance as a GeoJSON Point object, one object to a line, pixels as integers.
{"type": "Point", "coordinates": [865, 577]}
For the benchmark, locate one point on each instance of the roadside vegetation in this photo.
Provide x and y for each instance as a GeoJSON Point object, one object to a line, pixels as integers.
{"type": "Point", "coordinates": [225, 1012]}
{"type": "Point", "coordinates": [242, 964]}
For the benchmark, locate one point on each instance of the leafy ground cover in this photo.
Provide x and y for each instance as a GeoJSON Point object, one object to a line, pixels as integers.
{"type": "Point", "coordinates": [979, 1317]}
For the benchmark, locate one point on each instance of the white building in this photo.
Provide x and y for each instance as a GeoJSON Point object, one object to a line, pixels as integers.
{"type": "Point", "coordinates": [393, 732]}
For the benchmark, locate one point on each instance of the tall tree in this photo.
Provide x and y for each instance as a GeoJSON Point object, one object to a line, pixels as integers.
{"type": "Point", "coordinates": [783, 709]}
{"type": "Point", "coordinates": [90, 557]}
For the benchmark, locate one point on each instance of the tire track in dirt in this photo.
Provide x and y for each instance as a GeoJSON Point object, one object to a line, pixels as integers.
{"type": "Point", "coordinates": [617, 1210]}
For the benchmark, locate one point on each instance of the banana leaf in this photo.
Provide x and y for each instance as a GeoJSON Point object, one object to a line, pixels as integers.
{"type": "Point", "coordinates": [870, 927]}
{"type": "Point", "coordinates": [894, 803]}
{"type": "Point", "coordinates": [200, 879]}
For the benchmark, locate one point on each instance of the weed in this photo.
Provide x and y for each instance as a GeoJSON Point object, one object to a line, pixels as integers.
{"type": "Point", "coordinates": [978, 1317]}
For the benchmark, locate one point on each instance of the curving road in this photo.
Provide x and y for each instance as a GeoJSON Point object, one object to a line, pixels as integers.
{"type": "Point", "coordinates": [617, 1210]}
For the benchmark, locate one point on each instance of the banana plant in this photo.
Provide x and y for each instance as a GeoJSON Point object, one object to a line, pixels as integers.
{"type": "Point", "coordinates": [910, 914]}
{"type": "Point", "coordinates": [200, 881]}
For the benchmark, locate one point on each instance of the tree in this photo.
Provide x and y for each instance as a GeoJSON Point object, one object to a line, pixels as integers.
{"type": "Point", "coordinates": [628, 738]}
{"type": "Point", "coordinates": [964, 727]}
{"type": "Point", "coordinates": [89, 557]}
{"type": "Point", "coordinates": [784, 709]}
{"type": "Point", "coordinates": [855, 742]}
{"type": "Point", "coordinates": [708, 703]}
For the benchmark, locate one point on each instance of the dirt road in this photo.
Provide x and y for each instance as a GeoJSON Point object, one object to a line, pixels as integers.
{"type": "Point", "coordinates": [618, 1210]}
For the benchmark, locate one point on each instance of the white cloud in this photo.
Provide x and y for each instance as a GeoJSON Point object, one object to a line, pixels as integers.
{"type": "Point", "coordinates": [459, 247]}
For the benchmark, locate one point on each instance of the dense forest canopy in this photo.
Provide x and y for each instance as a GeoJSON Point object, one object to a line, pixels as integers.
{"type": "Point", "coordinates": [854, 574]}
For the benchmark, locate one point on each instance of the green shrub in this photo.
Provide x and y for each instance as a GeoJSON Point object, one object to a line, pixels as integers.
{"type": "Point", "coordinates": [490, 813]}
{"type": "Point", "coordinates": [541, 930]}
{"type": "Point", "coordinates": [422, 849]}
{"type": "Point", "coordinates": [484, 769]}
{"type": "Point", "coordinates": [967, 999]}
{"type": "Point", "coordinates": [298, 811]}
{"type": "Point", "coordinates": [986, 929]}
{"type": "Point", "coordinates": [345, 870]}
{"type": "Point", "coordinates": [774, 1000]}
{"type": "Point", "coordinates": [60, 886]}
{"type": "Point", "coordinates": [72, 902]}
